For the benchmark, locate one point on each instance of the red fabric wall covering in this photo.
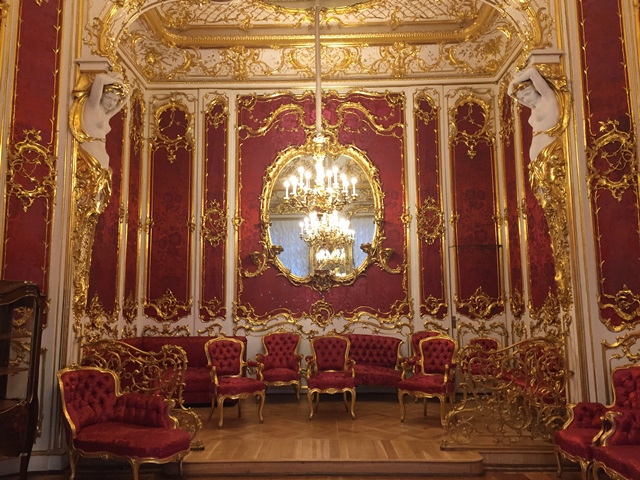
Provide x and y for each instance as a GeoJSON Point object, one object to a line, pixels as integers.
{"type": "Point", "coordinates": [171, 169]}
{"type": "Point", "coordinates": [134, 218]}
{"type": "Point", "coordinates": [512, 205]}
{"type": "Point", "coordinates": [26, 251]}
{"type": "Point", "coordinates": [103, 275]}
{"type": "Point", "coordinates": [215, 193]}
{"type": "Point", "coordinates": [433, 299]}
{"type": "Point", "coordinates": [476, 248]}
{"type": "Point", "coordinates": [269, 294]}
{"type": "Point", "coordinates": [615, 213]}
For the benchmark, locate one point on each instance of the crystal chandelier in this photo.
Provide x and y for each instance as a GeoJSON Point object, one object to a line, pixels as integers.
{"type": "Point", "coordinates": [325, 190]}
{"type": "Point", "coordinates": [323, 195]}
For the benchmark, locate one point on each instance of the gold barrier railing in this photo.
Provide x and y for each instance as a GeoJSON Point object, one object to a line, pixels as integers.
{"type": "Point", "coordinates": [509, 394]}
{"type": "Point", "coordinates": [161, 372]}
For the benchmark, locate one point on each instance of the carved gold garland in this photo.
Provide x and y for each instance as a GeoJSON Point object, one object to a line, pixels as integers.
{"type": "Point", "coordinates": [430, 219]}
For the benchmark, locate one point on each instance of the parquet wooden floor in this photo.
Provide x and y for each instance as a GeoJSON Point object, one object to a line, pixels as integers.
{"type": "Point", "coordinates": [331, 446]}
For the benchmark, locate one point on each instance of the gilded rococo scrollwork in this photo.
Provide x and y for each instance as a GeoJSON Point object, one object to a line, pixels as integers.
{"type": "Point", "coordinates": [234, 40]}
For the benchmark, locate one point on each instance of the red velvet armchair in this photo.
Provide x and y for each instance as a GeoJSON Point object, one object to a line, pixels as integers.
{"type": "Point", "coordinates": [281, 362]}
{"type": "Point", "coordinates": [433, 373]}
{"type": "Point", "coordinates": [330, 370]}
{"type": "Point", "coordinates": [415, 340]}
{"type": "Point", "coordinates": [582, 430]}
{"type": "Point", "coordinates": [225, 357]}
{"type": "Point", "coordinates": [102, 422]}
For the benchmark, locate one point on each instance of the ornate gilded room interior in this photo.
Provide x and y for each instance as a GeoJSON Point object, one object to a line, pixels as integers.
{"type": "Point", "coordinates": [145, 150]}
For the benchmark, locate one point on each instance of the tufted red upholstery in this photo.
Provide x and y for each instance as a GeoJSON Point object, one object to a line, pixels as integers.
{"type": "Point", "coordinates": [575, 440]}
{"type": "Point", "coordinates": [620, 453]}
{"type": "Point", "coordinates": [330, 370]}
{"type": "Point", "coordinates": [434, 373]}
{"type": "Point", "coordinates": [377, 359]}
{"type": "Point", "coordinates": [102, 422]}
{"type": "Point", "coordinates": [281, 362]}
{"type": "Point", "coordinates": [415, 339]}
{"type": "Point", "coordinates": [228, 381]}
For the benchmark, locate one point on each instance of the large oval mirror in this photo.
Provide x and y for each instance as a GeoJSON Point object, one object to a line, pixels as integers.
{"type": "Point", "coordinates": [319, 240]}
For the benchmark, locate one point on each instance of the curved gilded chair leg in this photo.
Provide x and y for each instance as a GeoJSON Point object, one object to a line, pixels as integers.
{"type": "Point", "coordinates": [220, 412]}
{"type": "Point", "coordinates": [311, 404]}
{"type": "Point", "coordinates": [403, 411]}
{"type": "Point", "coordinates": [424, 406]}
{"type": "Point", "coordinates": [73, 463]}
{"type": "Point", "coordinates": [135, 465]}
{"type": "Point", "coordinates": [180, 468]}
{"type": "Point", "coordinates": [261, 397]}
{"type": "Point", "coordinates": [442, 402]}
{"type": "Point", "coordinates": [353, 404]}
{"type": "Point", "coordinates": [213, 407]}
{"type": "Point", "coordinates": [239, 408]}
{"type": "Point", "coordinates": [296, 389]}
{"type": "Point", "coordinates": [345, 401]}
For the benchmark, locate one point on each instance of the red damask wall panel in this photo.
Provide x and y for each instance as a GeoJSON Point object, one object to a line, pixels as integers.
{"type": "Point", "coordinates": [429, 209]}
{"type": "Point", "coordinates": [215, 210]}
{"type": "Point", "coordinates": [168, 296]}
{"type": "Point", "coordinates": [134, 214]}
{"type": "Point", "coordinates": [476, 246]}
{"type": "Point", "coordinates": [512, 207]}
{"type": "Point", "coordinates": [32, 138]}
{"type": "Point", "coordinates": [371, 123]}
{"type": "Point", "coordinates": [612, 160]}
{"type": "Point", "coordinates": [103, 275]}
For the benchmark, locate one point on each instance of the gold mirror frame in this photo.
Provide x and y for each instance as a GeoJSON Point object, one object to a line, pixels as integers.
{"type": "Point", "coordinates": [322, 280]}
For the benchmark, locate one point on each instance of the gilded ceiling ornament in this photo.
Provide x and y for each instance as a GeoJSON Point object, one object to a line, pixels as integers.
{"type": "Point", "coordinates": [430, 219]}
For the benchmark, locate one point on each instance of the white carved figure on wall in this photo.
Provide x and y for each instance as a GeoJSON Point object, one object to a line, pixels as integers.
{"type": "Point", "coordinates": [531, 89]}
{"type": "Point", "coordinates": [107, 96]}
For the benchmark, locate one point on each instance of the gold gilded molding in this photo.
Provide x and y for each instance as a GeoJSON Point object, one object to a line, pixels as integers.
{"type": "Point", "coordinates": [430, 220]}
{"type": "Point", "coordinates": [167, 330]}
{"type": "Point", "coordinates": [516, 303]}
{"type": "Point", "coordinates": [24, 180]}
{"type": "Point", "coordinates": [612, 161]}
{"type": "Point", "coordinates": [480, 305]}
{"type": "Point", "coordinates": [625, 303]}
{"type": "Point", "coordinates": [91, 195]}
{"type": "Point", "coordinates": [214, 223]}
{"type": "Point", "coordinates": [101, 325]}
{"type": "Point", "coordinates": [167, 307]}
{"type": "Point", "coordinates": [549, 320]}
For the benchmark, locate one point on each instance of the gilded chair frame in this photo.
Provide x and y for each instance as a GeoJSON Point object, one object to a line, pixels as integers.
{"type": "Point", "coordinates": [449, 372]}
{"type": "Point", "coordinates": [219, 400]}
{"type": "Point", "coordinates": [313, 394]}
{"type": "Point", "coordinates": [295, 383]}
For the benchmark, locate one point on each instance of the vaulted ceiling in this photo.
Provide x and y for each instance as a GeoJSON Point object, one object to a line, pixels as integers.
{"type": "Point", "coordinates": [248, 41]}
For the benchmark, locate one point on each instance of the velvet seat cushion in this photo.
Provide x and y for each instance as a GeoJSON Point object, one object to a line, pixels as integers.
{"type": "Point", "coordinates": [374, 375]}
{"type": "Point", "coordinates": [281, 375]}
{"type": "Point", "coordinates": [624, 459]}
{"type": "Point", "coordinates": [576, 441]}
{"type": "Point", "coordinates": [331, 380]}
{"type": "Point", "coordinates": [433, 383]}
{"type": "Point", "coordinates": [130, 440]}
{"type": "Point", "coordinates": [232, 386]}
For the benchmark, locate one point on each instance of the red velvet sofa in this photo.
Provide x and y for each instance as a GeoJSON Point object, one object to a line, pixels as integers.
{"type": "Point", "coordinates": [197, 378]}
{"type": "Point", "coordinates": [378, 359]}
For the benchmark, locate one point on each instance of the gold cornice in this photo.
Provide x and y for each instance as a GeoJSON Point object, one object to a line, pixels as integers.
{"type": "Point", "coordinates": [429, 33]}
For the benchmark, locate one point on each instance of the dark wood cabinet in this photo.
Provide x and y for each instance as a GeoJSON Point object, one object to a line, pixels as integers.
{"type": "Point", "coordinates": [21, 307]}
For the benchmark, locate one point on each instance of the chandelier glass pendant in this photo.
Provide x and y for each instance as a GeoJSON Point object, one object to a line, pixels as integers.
{"type": "Point", "coordinates": [323, 194]}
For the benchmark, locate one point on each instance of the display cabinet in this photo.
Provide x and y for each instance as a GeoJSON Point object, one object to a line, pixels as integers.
{"type": "Point", "coordinates": [21, 307]}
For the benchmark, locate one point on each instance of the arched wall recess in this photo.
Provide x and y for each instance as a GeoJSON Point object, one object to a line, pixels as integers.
{"type": "Point", "coordinates": [280, 221]}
